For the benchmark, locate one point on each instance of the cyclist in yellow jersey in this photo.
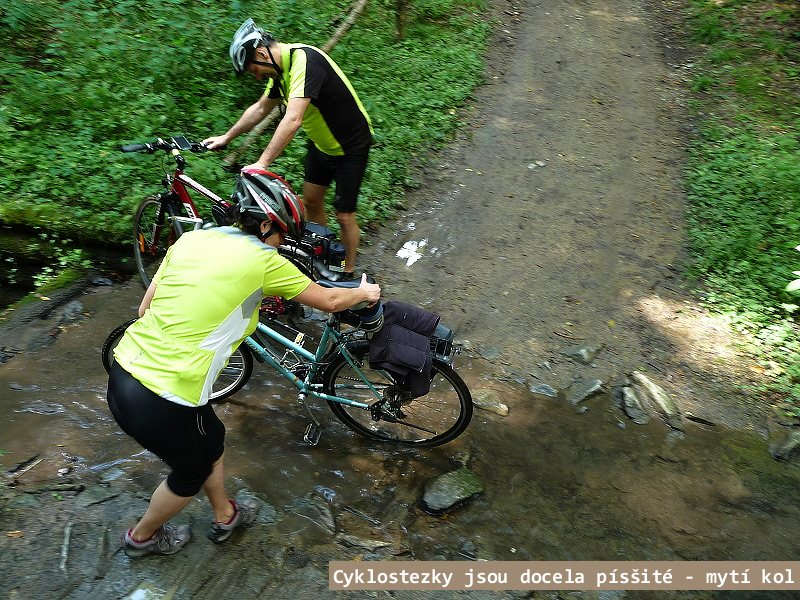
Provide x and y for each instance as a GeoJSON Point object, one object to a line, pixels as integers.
{"type": "Point", "coordinates": [202, 303]}
{"type": "Point", "coordinates": [318, 96]}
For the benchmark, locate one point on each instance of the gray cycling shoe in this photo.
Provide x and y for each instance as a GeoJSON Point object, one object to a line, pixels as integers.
{"type": "Point", "coordinates": [167, 540]}
{"type": "Point", "coordinates": [245, 513]}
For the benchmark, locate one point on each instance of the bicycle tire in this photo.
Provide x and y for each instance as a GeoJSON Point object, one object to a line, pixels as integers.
{"type": "Point", "coordinates": [146, 222]}
{"type": "Point", "coordinates": [445, 412]}
{"type": "Point", "coordinates": [232, 378]}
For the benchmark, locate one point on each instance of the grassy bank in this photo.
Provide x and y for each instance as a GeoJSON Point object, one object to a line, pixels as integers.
{"type": "Point", "coordinates": [744, 176]}
{"type": "Point", "coordinates": [160, 68]}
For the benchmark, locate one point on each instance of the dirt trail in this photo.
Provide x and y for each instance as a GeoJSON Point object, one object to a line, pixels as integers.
{"type": "Point", "coordinates": [556, 219]}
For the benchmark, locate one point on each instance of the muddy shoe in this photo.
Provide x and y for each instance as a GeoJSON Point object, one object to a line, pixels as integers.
{"type": "Point", "coordinates": [245, 513]}
{"type": "Point", "coordinates": [167, 540]}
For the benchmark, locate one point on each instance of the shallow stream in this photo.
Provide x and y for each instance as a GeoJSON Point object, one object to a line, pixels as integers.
{"type": "Point", "coordinates": [560, 483]}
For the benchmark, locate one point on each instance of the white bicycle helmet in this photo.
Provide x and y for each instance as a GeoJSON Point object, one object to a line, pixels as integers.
{"type": "Point", "coordinates": [245, 41]}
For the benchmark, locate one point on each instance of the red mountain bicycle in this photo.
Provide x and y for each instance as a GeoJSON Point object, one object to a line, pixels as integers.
{"type": "Point", "coordinates": [162, 218]}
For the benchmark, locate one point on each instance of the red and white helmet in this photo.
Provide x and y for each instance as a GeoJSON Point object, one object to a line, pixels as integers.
{"type": "Point", "coordinates": [268, 197]}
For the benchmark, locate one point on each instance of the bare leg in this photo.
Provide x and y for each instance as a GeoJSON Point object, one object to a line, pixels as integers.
{"type": "Point", "coordinates": [214, 488]}
{"type": "Point", "coordinates": [164, 505]}
{"type": "Point", "coordinates": [351, 237]}
{"type": "Point", "coordinates": [314, 201]}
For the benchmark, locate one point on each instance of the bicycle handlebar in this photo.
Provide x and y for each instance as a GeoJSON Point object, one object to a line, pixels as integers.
{"type": "Point", "coordinates": [137, 148]}
{"type": "Point", "coordinates": [167, 145]}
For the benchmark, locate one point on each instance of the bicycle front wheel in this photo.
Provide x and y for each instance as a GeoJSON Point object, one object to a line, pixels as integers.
{"type": "Point", "coordinates": [434, 419]}
{"type": "Point", "coordinates": [231, 379]}
{"type": "Point", "coordinates": [153, 234]}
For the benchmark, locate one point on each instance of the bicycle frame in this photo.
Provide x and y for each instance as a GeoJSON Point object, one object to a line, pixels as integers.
{"type": "Point", "coordinates": [177, 185]}
{"type": "Point", "coordinates": [313, 360]}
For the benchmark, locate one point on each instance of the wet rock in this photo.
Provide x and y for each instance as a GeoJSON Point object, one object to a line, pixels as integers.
{"type": "Point", "coordinates": [467, 346]}
{"type": "Point", "coordinates": [462, 457]}
{"type": "Point", "coordinates": [650, 392]}
{"type": "Point", "coordinates": [583, 354]}
{"type": "Point", "coordinates": [489, 400]}
{"type": "Point", "coordinates": [317, 510]}
{"type": "Point", "coordinates": [43, 408]}
{"type": "Point", "coordinates": [102, 281]}
{"type": "Point", "coordinates": [95, 495]}
{"type": "Point", "coordinates": [451, 490]}
{"type": "Point", "coordinates": [69, 312]}
{"type": "Point", "coordinates": [490, 353]}
{"type": "Point", "coordinates": [783, 442]}
{"type": "Point", "coordinates": [543, 390]}
{"type": "Point", "coordinates": [351, 541]}
{"type": "Point", "coordinates": [148, 591]}
{"type": "Point", "coordinates": [325, 493]}
{"type": "Point", "coordinates": [631, 405]}
{"type": "Point", "coordinates": [112, 474]}
{"type": "Point", "coordinates": [24, 501]}
{"type": "Point", "coordinates": [582, 390]}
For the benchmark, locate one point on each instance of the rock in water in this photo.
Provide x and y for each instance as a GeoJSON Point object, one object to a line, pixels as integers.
{"type": "Point", "coordinates": [489, 401]}
{"type": "Point", "coordinates": [583, 354]}
{"type": "Point", "coordinates": [781, 447]}
{"type": "Point", "coordinates": [660, 399]}
{"type": "Point", "coordinates": [582, 390]}
{"type": "Point", "coordinates": [543, 390]}
{"type": "Point", "coordinates": [632, 407]}
{"type": "Point", "coordinates": [449, 491]}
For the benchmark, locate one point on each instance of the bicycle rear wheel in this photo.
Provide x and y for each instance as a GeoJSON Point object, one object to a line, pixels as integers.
{"type": "Point", "coordinates": [231, 379]}
{"type": "Point", "coordinates": [153, 233]}
{"type": "Point", "coordinates": [439, 417]}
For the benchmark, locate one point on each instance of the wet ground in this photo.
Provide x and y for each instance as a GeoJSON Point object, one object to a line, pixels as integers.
{"type": "Point", "coordinates": [524, 259]}
{"type": "Point", "coordinates": [561, 483]}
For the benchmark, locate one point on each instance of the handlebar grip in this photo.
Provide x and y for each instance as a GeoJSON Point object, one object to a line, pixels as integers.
{"type": "Point", "coordinates": [135, 147]}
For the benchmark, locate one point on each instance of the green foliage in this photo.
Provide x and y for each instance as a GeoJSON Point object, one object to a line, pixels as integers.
{"type": "Point", "coordinates": [744, 175]}
{"type": "Point", "coordinates": [152, 68]}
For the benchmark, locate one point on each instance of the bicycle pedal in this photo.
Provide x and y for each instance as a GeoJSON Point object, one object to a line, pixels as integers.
{"type": "Point", "coordinates": [312, 434]}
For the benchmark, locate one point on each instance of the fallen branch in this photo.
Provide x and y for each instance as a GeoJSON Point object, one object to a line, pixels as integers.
{"type": "Point", "coordinates": [256, 132]}
{"type": "Point", "coordinates": [20, 472]}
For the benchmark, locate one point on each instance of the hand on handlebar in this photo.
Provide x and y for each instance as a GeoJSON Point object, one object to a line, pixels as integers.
{"type": "Point", "coordinates": [373, 290]}
{"type": "Point", "coordinates": [215, 142]}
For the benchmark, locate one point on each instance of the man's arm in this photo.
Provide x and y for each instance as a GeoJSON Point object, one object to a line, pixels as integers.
{"type": "Point", "coordinates": [284, 132]}
{"type": "Point", "coordinates": [251, 117]}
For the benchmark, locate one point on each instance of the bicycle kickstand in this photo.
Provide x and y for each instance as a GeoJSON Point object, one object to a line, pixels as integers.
{"type": "Point", "coordinates": [314, 430]}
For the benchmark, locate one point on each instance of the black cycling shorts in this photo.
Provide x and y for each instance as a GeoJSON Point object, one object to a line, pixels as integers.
{"type": "Point", "coordinates": [347, 171]}
{"type": "Point", "coordinates": [189, 439]}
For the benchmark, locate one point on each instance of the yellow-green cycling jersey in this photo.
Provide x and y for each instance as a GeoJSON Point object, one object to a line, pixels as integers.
{"type": "Point", "coordinates": [335, 119]}
{"type": "Point", "coordinates": [210, 286]}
